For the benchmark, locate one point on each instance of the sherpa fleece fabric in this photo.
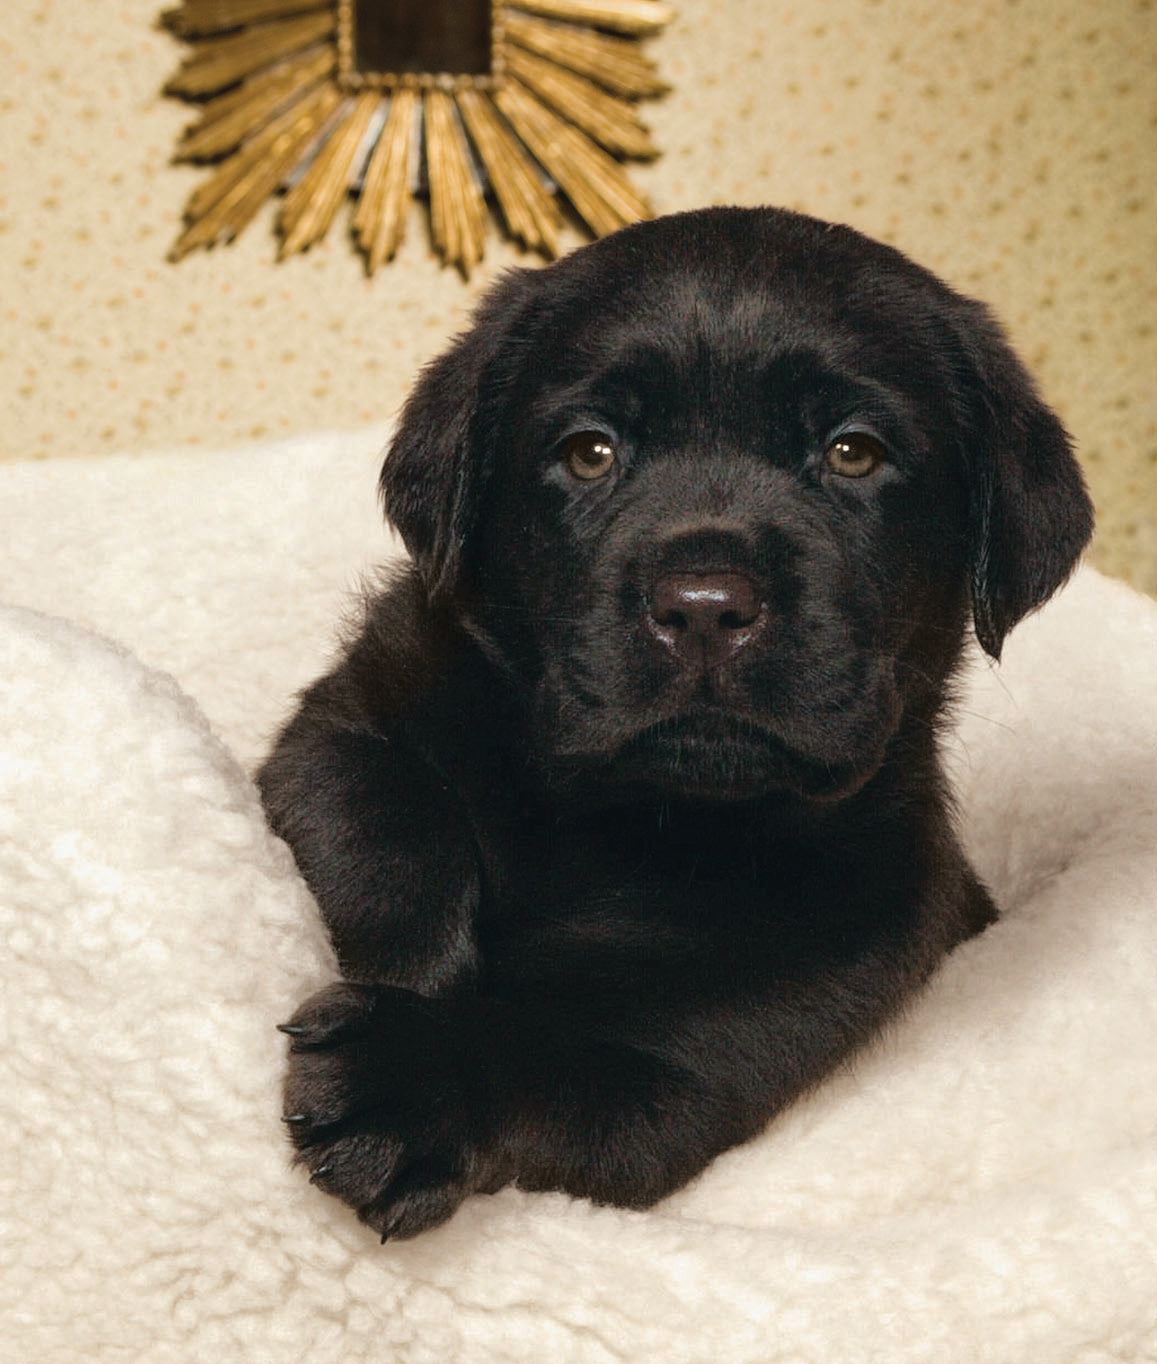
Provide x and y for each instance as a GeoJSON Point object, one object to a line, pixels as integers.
{"type": "Point", "coordinates": [979, 1188]}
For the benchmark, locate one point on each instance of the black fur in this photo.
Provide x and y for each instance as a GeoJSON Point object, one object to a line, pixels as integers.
{"type": "Point", "coordinates": [605, 901]}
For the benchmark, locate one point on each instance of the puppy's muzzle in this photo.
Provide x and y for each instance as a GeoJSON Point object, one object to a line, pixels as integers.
{"type": "Point", "coordinates": [705, 619]}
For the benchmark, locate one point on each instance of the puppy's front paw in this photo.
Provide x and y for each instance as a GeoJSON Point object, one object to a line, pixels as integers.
{"type": "Point", "coordinates": [382, 1106]}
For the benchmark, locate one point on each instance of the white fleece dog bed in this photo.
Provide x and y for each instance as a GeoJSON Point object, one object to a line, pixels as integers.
{"type": "Point", "coordinates": [981, 1186]}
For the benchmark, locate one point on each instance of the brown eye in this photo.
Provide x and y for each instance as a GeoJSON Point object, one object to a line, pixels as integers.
{"type": "Point", "coordinates": [855, 455]}
{"type": "Point", "coordinates": [588, 455]}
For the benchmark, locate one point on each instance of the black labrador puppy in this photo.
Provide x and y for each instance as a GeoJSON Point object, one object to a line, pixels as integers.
{"type": "Point", "coordinates": [623, 808]}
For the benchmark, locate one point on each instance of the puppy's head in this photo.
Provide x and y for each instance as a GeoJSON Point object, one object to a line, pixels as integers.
{"type": "Point", "coordinates": [718, 492]}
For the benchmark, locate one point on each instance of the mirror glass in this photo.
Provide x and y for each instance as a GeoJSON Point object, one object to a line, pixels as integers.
{"type": "Point", "coordinates": [421, 36]}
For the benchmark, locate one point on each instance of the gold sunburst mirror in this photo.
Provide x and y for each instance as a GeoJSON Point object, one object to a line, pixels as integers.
{"type": "Point", "coordinates": [533, 100]}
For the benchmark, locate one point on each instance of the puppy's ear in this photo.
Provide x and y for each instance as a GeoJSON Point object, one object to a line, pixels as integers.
{"type": "Point", "coordinates": [1030, 515]}
{"type": "Point", "coordinates": [431, 479]}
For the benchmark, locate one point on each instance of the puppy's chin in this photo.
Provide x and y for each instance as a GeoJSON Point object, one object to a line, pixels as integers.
{"type": "Point", "coordinates": [718, 758]}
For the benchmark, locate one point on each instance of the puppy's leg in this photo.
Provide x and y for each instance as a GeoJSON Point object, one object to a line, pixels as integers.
{"type": "Point", "coordinates": [385, 848]}
{"type": "Point", "coordinates": [403, 1106]}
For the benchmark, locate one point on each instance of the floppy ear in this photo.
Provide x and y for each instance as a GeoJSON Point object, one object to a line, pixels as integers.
{"type": "Point", "coordinates": [1030, 514]}
{"type": "Point", "coordinates": [432, 474]}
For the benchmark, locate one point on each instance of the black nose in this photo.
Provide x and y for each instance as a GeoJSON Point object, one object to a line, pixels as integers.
{"type": "Point", "coordinates": [705, 618]}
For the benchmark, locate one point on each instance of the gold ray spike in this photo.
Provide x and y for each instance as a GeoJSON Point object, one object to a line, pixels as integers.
{"type": "Point", "coordinates": [457, 210]}
{"type": "Point", "coordinates": [380, 219]}
{"type": "Point", "coordinates": [219, 62]}
{"type": "Point", "coordinates": [196, 18]}
{"type": "Point", "coordinates": [269, 141]}
{"type": "Point", "coordinates": [594, 182]}
{"type": "Point", "coordinates": [611, 121]}
{"type": "Point", "coordinates": [229, 200]}
{"type": "Point", "coordinates": [526, 102]}
{"type": "Point", "coordinates": [530, 210]}
{"type": "Point", "coordinates": [227, 120]}
{"type": "Point", "coordinates": [621, 16]}
{"type": "Point", "coordinates": [310, 205]}
{"type": "Point", "coordinates": [615, 63]}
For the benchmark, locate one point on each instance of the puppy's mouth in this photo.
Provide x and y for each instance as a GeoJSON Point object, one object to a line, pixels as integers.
{"type": "Point", "coordinates": [795, 724]}
{"type": "Point", "coordinates": [711, 755]}
{"type": "Point", "coordinates": [716, 755]}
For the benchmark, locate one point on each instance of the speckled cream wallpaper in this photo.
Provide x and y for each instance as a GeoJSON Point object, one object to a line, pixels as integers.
{"type": "Point", "coordinates": [1009, 144]}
